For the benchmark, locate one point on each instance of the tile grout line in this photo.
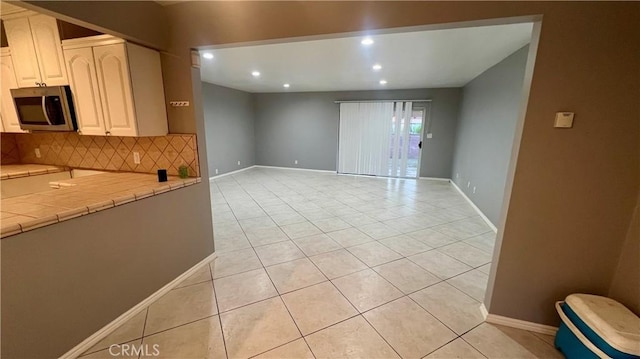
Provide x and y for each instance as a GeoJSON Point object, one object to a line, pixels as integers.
{"type": "Point", "coordinates": [276, 289]}
{"type": "Point", "coordinates": [368, 267]}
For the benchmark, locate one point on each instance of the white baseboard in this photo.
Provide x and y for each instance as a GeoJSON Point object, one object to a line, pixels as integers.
{"type": "Point", "coordinates": [294, 168]}
{"type": "Point", "coordinates": [484, 311]}
{"type": "Point", "coordinates": [230, 173]}
{"type": "Point", "coordinates": [116, 323]}
{"type": "Point", "coordinates": [521, 324]}
{"type": "Point", "coordinates": [435, 179]}
{"type": "Point", "coordinates": [491, 225]}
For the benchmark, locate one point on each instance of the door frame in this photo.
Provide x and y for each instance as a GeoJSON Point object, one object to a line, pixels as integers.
{"type": "Point", "coordinates": [426, 124]}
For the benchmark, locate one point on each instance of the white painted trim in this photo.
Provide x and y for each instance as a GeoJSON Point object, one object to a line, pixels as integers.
{"type": "Point", "coordinates": [116, 323]}
{"type": "Point", "coordinates": [231, 173]}
{"type": "Point", "coordinates": [521, 324]}
{"type": "Point", "coordinates": [294, 168]}
{"type": "Point", "coordinates": [484, 311]}
{"type": "Point", "coordinates": [435, 179]}
{"type": "Point", "coordinates": [491, 225]}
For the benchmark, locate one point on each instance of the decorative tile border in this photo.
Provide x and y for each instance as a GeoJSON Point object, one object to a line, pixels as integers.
{"type": "Point", "coordinates": [109, 153]}
{"type": "Point", "coordinates": [29, 170]}
{"type": "Point", "coordinates": [27, 225]}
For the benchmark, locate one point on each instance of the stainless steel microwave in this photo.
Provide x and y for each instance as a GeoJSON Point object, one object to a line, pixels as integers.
{"type": "Point", "coordinates": [45, 108]}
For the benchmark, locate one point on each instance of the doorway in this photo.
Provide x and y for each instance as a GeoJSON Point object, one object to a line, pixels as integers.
{"type": "Point", "coordinates": [407, 133]}
{"type": "Point", "coordinates": [381, 138]}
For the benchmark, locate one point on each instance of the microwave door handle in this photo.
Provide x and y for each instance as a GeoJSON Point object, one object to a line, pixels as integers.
{"type": "Point", "coordinates": [44, 110]}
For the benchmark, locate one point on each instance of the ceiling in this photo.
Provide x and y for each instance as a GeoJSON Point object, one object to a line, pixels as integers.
{"type": "Point", "coordinates": [420, 59]}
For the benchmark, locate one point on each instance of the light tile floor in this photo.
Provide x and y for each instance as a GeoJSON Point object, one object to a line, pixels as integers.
{"type": "Point", "coordinates": [327, 266]}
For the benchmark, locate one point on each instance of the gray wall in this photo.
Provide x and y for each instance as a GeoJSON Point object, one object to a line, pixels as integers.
{"type": "Point", "coordinates": [304, 126]}
{"type": "Point", "coordinates": [63, 282]}
{"type": "Point", "coordinates": [486, 128]}
{"type": "Point", "coordinates": [229, 122]}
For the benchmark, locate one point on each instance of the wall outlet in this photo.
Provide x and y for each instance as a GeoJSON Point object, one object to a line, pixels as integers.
{"type": "Point", "coordinates": [238, 163]}
{"type": "Point", "coordinates": [468, 184]}
{"type": "Point", "coordinates": [457, 175]}
{"type": "Point", "coordinates": [474, 189]}
{"type": "Point", "coordinates": [295, 162]}
{"type": "Point", "coordinates": [38, 155]}
{"type": "Point", "coordinates": [136, 158]}
{"type": "Point", "coordinates": [216, 171]}
{"type": "Point", "coordinates": [429, 135]}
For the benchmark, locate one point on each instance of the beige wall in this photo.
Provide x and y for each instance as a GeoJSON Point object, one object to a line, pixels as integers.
{"type": "Point", "coordinates": [574, 190]}
{"type": "Point", "coordinates": [626, 282]}
{"type": "Point", "coordinates": [144, 22]}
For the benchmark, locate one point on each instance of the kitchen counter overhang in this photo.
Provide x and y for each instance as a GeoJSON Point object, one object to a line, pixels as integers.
{"type": "Point", "coordinates": [79, 197]}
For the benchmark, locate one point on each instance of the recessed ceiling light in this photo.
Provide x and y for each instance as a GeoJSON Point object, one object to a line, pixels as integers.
{"type": "Point", "coordinates": [255, 73]}
{"type": "Point", "coordinates": [383, 82]}
{"type": "Point", "coordinates": [367, 41]}
{"type": "Point", "coordinates": [377, 67]}
{"type": "Point", "coordinates": [207, 55]}
{"type": "Point", "coordinates": [286, 85]}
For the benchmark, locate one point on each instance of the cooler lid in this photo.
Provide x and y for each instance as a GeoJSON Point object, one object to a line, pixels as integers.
{"type": "Point", "coordinates": [611, 320]}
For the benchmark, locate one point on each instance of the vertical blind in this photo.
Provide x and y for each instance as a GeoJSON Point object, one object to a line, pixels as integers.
{"type": "Point", "coordinates": [373, 138]}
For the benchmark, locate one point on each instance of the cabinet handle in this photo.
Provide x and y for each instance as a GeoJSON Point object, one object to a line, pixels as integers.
{"type": "Point", "coordinates": [108, 133]}
{"type": "Point", "coordinates": [38, 84]}
{"type": "Point", "coordinates": [43, 84]}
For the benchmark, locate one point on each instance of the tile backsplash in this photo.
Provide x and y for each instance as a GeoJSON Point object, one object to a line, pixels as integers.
{"type": "Point", "coordinates": [109, 153]}
{"type": "Point", "coordinates": [9, 146]}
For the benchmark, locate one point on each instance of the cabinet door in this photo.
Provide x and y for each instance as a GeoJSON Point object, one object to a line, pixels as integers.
{"type": "Point", "coordinates": [83, 80]}
{"type": "Point", "coordinates": [115, 90]}
{"type": "Point", "coordinates": [46, 41]}
{"type": "Point", "coordinates": [7, 109]}
{"type": "Point", "coordinates": [24, 54]}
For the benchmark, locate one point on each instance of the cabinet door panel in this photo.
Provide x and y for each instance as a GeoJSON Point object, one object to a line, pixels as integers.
{"type": "Point", "coordinates": [22, 51]}
{"type": "Point", "coordinates": [83, 80]}
{"type": "Point", "coordinates": [7, 109]}
{"type": "Point", "coordinates": [115, 89]}
{"type": "Point", "coordinates": [46, 40]}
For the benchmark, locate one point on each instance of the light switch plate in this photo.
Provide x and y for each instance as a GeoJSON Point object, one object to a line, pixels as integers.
{"type": "Point", "coordinates": [429, 135]}
{"type": "Point", "coordinates": [564, 120]}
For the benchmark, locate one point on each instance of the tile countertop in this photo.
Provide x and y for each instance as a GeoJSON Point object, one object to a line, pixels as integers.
{"type": "Point", "coordinates": [24, 170]}
{"type": "Point", "coordinates": [81, 196]}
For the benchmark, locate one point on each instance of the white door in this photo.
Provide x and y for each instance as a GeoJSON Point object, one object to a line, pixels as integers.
{"type": "Point", "coordinates": [22, 51]}
{"type": "Point", "coordinates": [83, 80]}
{"type": "Point", "coordinates": [46, 41]}
{"type": "Point", "coordinates": [115, 89]}
{"type": "Point", "coordinates": [7, 109]}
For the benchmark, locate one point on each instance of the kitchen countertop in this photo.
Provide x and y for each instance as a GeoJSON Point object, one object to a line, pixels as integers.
{"type": "Point", "coordinates": [25, 170]}
{"type": "Point", "coordinates": [81, 196]}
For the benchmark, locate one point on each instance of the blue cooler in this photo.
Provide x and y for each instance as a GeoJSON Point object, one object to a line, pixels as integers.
{"type": "Point", "coordinates": [597, 327]}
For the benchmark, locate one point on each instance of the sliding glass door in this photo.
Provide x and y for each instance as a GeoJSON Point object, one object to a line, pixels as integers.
{"type": "Point", "coordinates": [381, 138]}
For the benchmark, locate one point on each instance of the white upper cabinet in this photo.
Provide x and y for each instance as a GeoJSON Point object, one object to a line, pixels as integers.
{"type": "Point", "coordinates": [83, 80]}
{"type": "Point", "coordinates": [46, 41]}
{"type": "Point", "coordinates": [117, 87]}
{"type": "Point", "coordinates": [21, 43]}
{"type": "Point", "coordinates": [36, 50]}
{"type": "Point", "coordinates": [7, 82]}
